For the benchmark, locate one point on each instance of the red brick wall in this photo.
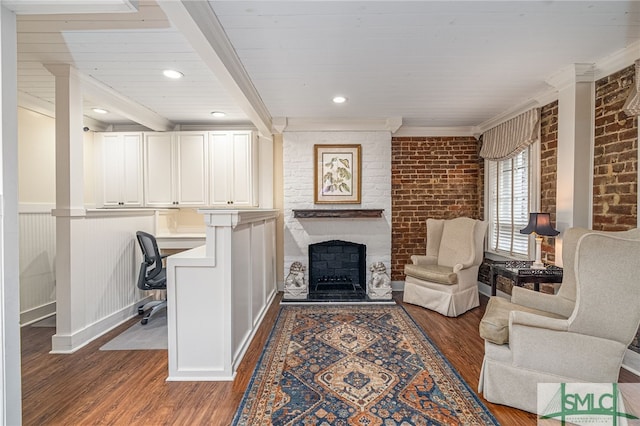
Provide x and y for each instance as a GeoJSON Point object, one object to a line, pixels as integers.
{"type": "Point", "coordinates": [549, 172]}
{"type": "Point", "coordinates": [615, 159]}
{"type": "Point", "coordinates": [431, 177]}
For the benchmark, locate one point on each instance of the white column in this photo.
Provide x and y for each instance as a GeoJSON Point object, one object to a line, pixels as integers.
{"type": "Point", "coordinates": [576, 99]}
{"type": "Point", "coordinates": [10, 391]}
{"type": "Point", "coordinates": [69, 210]}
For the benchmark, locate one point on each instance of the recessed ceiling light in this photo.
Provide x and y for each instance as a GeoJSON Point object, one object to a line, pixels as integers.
{"type": "Point", "coordinates": [100, 110]}
{"type": "Point", "coordinates": [172, 74]}
{"type": "Point", "coordinates": [339, 99]}
{"type": "Point", "coordinates": [218, 114]}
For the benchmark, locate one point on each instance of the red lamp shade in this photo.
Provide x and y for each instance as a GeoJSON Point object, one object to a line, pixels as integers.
{"type": "Point", "coordinates": [539, 223]}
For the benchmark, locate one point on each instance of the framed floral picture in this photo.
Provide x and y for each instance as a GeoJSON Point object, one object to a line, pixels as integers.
{"type": "Point", "coordinates": [337, 174]}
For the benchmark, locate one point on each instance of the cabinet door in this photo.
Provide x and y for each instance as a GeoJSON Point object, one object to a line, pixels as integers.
{"type": "Point", "coordinates": [241, 188]}
{"type": "Point", "coordinates": [132, 194]}
{"type": "Point", "coordinates": [159, 174]}
{"type": "Point", "coordinates": [219, 168]}
{"type": "Point", "coordinates": [112, 170]}
{"type": "Point", "coordinates": [192, 168]}
{"type": "Point", "coordinates": [121, 169]}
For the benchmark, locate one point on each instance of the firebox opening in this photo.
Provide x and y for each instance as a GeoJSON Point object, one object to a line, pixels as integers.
{"type": "Point", "coordinates": [337, 270]}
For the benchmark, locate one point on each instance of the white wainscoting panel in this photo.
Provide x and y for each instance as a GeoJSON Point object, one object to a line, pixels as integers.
{"type": "Point", "coordinates": [106, 260]}
{"type": "Point", "coordinates": [37, 251]}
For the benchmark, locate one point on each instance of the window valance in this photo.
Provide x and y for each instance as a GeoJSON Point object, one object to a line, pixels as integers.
{"type": "Point", "coordinates": [508, 139]}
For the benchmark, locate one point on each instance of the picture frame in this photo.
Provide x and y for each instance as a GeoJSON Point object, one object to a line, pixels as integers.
{"type": "Point", "coordinates": [337, 174]}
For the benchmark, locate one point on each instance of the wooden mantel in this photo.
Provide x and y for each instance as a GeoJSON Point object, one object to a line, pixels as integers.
{"type": "Point", "coordinates": [337, 213]}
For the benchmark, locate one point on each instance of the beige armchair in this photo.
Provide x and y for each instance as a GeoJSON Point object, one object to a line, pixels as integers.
{"type": "Point", "coordinates": [445, 280]}
{"type": "Point", "coordinates": [589, 345]}
{"type": "Point", "coordinates": [494, 325]}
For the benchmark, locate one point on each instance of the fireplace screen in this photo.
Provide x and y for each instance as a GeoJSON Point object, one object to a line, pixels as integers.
{"type": "Point", "coordinates": [337, 269]}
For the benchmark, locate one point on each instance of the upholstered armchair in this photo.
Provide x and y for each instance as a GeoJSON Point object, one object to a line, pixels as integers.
{"type": "Point", "coordinates": [494, 325]}
{"type": "Point", "coordinates": [588, 345]}
{"type": "Point", "coordinates": [445, 280]}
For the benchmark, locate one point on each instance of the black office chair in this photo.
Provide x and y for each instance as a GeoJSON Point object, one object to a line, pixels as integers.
{"type": "Point", "coordinates": [152, 276]}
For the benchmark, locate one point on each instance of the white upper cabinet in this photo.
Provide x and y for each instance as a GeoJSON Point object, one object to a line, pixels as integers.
{"type": "Point", "coordinates": [158, 170]}
{"type": "Point", "coordinates": [121, 164]}
{"type": "Point", "coordinates": [192, 168]}
{"type": "Point", "coordinates": [183, 168]}
{"type": "Point", "coordinates": [176, 169]}
{"type": "Point", "coordinates": [231, 167]}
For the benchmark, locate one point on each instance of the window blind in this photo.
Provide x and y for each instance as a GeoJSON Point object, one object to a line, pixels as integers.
{"type": "Point", "coordinates": [509, 204]}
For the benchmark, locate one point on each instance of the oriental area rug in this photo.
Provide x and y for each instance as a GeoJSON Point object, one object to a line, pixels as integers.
{"type": "Point", "coordinates": [355, 365]}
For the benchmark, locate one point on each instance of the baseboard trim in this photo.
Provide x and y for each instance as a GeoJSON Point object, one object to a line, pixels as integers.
{"type": "Point", "coordinates": [631, 362]}
{"type": "Point", "coordinates": [69, 343]}
{"type": "Point", "coordinates": [37, 314]}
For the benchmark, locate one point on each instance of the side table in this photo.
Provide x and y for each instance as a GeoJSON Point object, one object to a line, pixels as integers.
{"type": "Point", "coordinates": [521, 272]}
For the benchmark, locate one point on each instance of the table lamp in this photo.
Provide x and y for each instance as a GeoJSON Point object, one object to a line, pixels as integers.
{"type": "Point", "coordinates": [540, 225]}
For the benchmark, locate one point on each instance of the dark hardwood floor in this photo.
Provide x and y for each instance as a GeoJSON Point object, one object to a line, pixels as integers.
{"type": "Point", "coordinates": [93, 387]}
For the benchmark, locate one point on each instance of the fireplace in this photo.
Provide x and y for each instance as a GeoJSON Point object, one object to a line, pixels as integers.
{"type": "Point", "coordinates": [337, 270]}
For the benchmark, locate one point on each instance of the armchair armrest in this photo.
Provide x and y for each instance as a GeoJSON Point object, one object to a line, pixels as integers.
{"type": "Point", "coordinates": [424, 260]}
{"type": "Point", "coordinates": [543, 344]}
{"type": "Point", "coordinates": [542, 301]}
{"type": "Point", "coordinates": [533, 320]}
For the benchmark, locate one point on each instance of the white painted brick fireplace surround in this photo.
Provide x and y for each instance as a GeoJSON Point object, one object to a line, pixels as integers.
{"type": "Point", "coordinates": [298, 165]}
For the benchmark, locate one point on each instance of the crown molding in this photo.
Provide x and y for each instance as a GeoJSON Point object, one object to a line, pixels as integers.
{"type": "Point", "coordinates": [546, 97]}
{"type": "Point", "coordinates": [572, 74]}
{"type": "Point", "coordinates": [507, 115]}
{"type": "Point", "coordinates": [617, 60]}
{"type": "Point", "coordinates": [202, 29]}
{"type": "Point", "coordinates": [341, 124]}
{"type": "Point", "coordinates": [436, 131]}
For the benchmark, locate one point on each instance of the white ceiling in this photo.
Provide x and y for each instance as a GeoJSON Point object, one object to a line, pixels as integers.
{"type": "Point", "coordinates": [434, 64]}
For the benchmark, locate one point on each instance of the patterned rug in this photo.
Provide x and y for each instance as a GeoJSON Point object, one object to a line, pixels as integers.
{"type": "Point", "coordinates": [355, 365]}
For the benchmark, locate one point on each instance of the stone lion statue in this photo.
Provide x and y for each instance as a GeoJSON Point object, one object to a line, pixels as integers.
{"type": "Point", "coordinates": [380, 283]}
{"type": "Point", "coordinates": [296, 276]}
{"type": "Point", "coordinates": [379, 276]}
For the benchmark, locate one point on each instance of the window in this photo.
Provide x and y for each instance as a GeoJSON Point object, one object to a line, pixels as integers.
{"type": "Point", "coordinates": [509, 186]}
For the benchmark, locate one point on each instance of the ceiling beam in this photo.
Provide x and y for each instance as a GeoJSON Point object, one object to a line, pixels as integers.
{"type": "Point", "coordinates": [121, 105]}
{"type": "Point", "coordinates": [201, 27]}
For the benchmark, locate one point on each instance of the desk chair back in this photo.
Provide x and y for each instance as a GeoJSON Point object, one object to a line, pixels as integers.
{"type": "Point", "coordinates": [152, 273]}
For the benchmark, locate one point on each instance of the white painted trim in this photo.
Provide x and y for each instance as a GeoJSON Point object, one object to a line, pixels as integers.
{"type": "Point", "coordinates": [437, 131]}
{"type": "Point", "coordinates": [572, 74]}
{"type": "Point", "coordinates": [10, 372]}
{"type": "Point", "coordinates": [121, 105]}
{"type": "Point", "coordinates": [115, 212]}
{"type": "Point", "coordinates": [507, 115]}
{"type": "Point", "coordinates": [617, 60]}
{"type": "Point", "coordinates": [36, 314]}
{"type": "Point", "coordinates": [631, 362]}
{"type": "Point", "coordinates": [67, 344]}
{"type": "Point", "coordinates": [336, 124]}
{"type": "Point", "coordinates": [32, 103]}
{"type": "Point", "coordinates": [200, 26]}
{"type": "Point", "coordinates": [35, 208]}
{"type": "Point", "coordinates": [397, 285]}
{"type": "Point", "coordinates": [212, 127]}
{"type": "Point", "coordinates": [249, 338]}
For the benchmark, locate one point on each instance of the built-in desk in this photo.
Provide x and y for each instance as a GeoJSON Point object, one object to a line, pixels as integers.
{"type": "Point", "coordinates": [179, 241]}
{"type": "Point", "coordinates": [218, 293]}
